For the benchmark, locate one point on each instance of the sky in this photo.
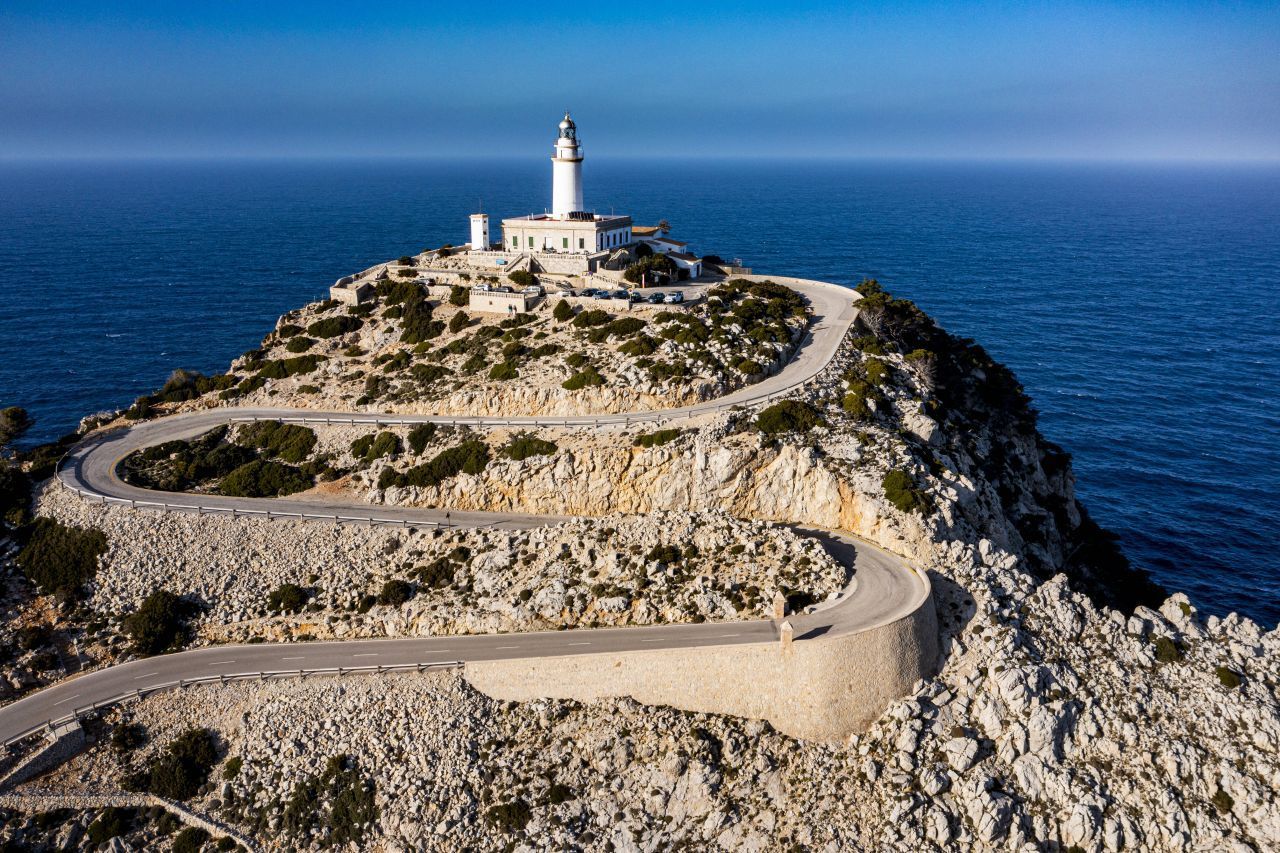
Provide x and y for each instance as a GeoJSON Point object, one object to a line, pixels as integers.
{"type": "Point", "coordinates": [993, 81]}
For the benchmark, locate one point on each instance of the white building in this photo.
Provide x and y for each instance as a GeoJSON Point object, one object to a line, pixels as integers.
{"type": "Point", "coordinates": [567, 228]}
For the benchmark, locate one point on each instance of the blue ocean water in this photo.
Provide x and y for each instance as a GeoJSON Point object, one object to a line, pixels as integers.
{"type": "Point", "coordinates": [1138, 304]}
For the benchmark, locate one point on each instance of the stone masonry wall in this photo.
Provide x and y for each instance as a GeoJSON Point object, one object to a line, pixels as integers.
{"type": "Point", "coordinates": [820, 689]}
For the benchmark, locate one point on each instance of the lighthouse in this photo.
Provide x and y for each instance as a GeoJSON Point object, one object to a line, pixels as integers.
{"type": "Point", "coordinates": [566, 171]}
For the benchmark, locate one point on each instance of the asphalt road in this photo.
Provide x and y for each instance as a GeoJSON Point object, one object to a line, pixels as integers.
{"type": "Point", "coordinates": [882, 586]}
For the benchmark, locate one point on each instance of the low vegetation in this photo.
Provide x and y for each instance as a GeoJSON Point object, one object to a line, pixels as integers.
{"type": "Point", "coordinates": [181, 770]}
{"type": "Point", "coordinates": [61, 560]}
{"type": "Point", "coordinates": [788, 416]}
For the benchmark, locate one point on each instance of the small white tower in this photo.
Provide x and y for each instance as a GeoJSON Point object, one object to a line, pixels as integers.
{"type": "Point", "coordinates": [566, 171]}
{"type": "Point", "coordinates": [479, 232]}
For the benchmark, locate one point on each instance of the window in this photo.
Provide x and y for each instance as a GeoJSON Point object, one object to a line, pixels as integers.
{"type": "Point", "coordinates": [530, 241]}
{"type": "Point", "coordinates": [582, 244]}
{"type": "Point", "coordinates": [564, 242]}
{"type": "Point", "coordinates": [515, 242]}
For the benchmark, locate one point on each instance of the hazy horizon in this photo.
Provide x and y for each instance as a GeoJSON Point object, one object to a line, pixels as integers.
{"type": "Point", "coordinates": [1175, 82]}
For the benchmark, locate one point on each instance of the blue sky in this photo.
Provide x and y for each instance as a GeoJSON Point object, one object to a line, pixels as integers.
{"type": "Point", "coordinates": [902, 80]}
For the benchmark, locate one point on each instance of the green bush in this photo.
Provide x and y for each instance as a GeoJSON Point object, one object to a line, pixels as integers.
{"type": "Point", "coordinates": [1222, 801]}
{"type": "Point", "coordinates": [370, 447]}
{"type": "Point", "coordinates": [300, 344]}
{"type": "Point", "coordinates": [287, 598]}
{"type": "Point", "coordinates": [656, 439]}
{"type": "Point", "coordinates": [331, 327]}
{"type": "Point", "coordinates": [594, 317]}
{"type": "Point", "coordinates": [190, 839]}
{"type": "Point", "coordinates": [523, 445]}
{"type": "Point", "coordinates": [576, 360]}
{"type": "Point", "coordinates": [563, 311]}
{"type": "Point", "coordinates": [395, 592]}
{"type": "Point", "coordinates": [503, 371]}
{"type": "Point", "coordinates": [113, 822]}
{"type": "Point", "coordinates": [899, 490]}
{"type": "Point", "coordinates": [159, 624]}
{"type": "Point", "coordinates": [289, 330]}
{"type": "Point", "coordinates": [877, 371]}
{"type": "Point", "coordinates": [291, 442]}
{"type": "Point", "coordinates": [285, 367]}
{"type": "Point", "coordinates": [621, 328]}
{"type": "Point", "coordinates": [420, 436]}
{"type": "Point", "coordinates": [749, 367]}
{"type": "Point", "coordinates": [669, 554]}
{"type": "Point", "coordinates": [639, 346]}
{"type": "Point", "coordinates": [437, 574]}
{"type": "Point", "coordinates": [788, 416]}
{"type": "Point", "coordinates": [459, 295]}
{"type": "Point", "coordinates": [458, 322]}
{"type": "Point", "coordinates": [869, 345]}
{"type": "Point", "coordinates": [857, 401]}
{"type": "Point", "coordinates": [652, 263]}
{"type": "Point", "coordinates": [231, 769]}
{"type": "Point", "coordinates": [470, 457]}
{"type": "Point", "coordinates": [182, 769]}
{"type": "Point", "coordinates": [523, 278]}
{"type": "Point", "coordinates": [476, 362]}
{"type": "Point", "coordinates": [60, 560]}
{"type": "Point", "coordinates": [1167, 651]}
{"type": "Point", "coordinates": [1228, 678]}
{"type": "Point", "coordinates": [128, 736]}
{"type": "Point", "coordinates": [263, 479]}
{"type": "Point", "coordinates": [587, 377]}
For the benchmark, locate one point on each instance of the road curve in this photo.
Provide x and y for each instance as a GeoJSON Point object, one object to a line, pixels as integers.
{"type": "Point", "coordinates": [883, 588]}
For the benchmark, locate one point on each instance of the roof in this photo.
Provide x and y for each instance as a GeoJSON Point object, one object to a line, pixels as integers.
{"type": "Point", "coordinates": [645, 230]}
{"type": "Point", "coordinates": [683, 256]}
{"type": "Point", "coordinates": [666, 240]}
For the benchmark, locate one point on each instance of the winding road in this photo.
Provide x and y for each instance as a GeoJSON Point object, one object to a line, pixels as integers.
{"type": "Point", "coordinates": [882, 588]}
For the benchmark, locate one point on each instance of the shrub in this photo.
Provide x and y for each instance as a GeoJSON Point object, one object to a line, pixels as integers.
{"type": "Point", "coordinates": [900, 491]}
{"type": "Point", "coordinates": [877, 371]}
{"type": "Point", "coordinates": [289, 330]}
{"type": "Point", "coordinates": [523, 445]}
{"type": "Point", "coordinates": [459, 295]}
{"type": "Point", "coordinates": [128, 736]}
{"type": "Point", "coordinates": [291, 442]}
{"type": "Point", "coordinates": [523, 278]}
{"type": "Point", "coordinates": [788, 416]}
{"type": "Point", "coordinates": [263, 479]}
{"type": "Point", "coordinates": [563, 311]}
{"type": "Point", "coordinates": [111, 823]}
{"type": "Point", "coordinates": [190, 839]}
{"type": "Point", "coordinates": [656, 439]}
{"type": "Point", "coordinates": [437, 574]}
{"type": "Point", "coordinates": [231, 769]}
{"type": "Point", "coordinates": [1167, 651]}
{"type": "Point", "coordinates": [869, 345]}
{"type": "Point", "coordinates": [420, 436]}
{"type": "Point", "coordinates": [584, 378]}
{"type": "Point", "coordinates": [285, 367]}
{"type": "Point", "coordinates": [749, 367]}
{"type": "Point", "coordinates": [331, 327]}
{"type": "Point", "coordinates": [669, 554]}
{"type": "Point", "coordinates": [182, 769]}
{"type": "Point", "coordinates": [640, 345]}
{"type": "Point", "coordinates": [300, 344]}
{"type": "Point", "coordinates": [370, 447]}
{"type": "Point", "coordinates": [395, 592]}
{"type": "Point", "coordinates": [621, 328]}
{"type": "Point", "coordinates": [1222, 801]}
{"type": "Point", "coordinates": [544, 350]}
{"type": "Point", "coordinates": [287, 598]}
{"type": "Point", "coordinates": [503, 371]}
{"type": "Point", "coordinates": [470, 457]}
{"type": "Point", "coordinates": [60, 560]}
{"type": "Point", "coordinates": [857, 401]}
{"type": "Point", "coordinates": [1228, 678]}
{"type": "Point", "coordinates": [458, 322]}
{"type": "Point", "coordinates": [308, 389]}
{"type": "Point", "coordinates": [593, 317]}
{"type": "Point", "coordinates": [576, 360]}
{"type": "Point", "coordinates": [159, 624]}
{"type": "Point", "coordinates": [658, 263]}
{"type": "Point", "coordinates": [476, 362]}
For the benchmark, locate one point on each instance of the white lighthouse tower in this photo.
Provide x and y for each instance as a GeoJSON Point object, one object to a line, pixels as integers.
{"type": "Point", "coordinates": [566, 171]}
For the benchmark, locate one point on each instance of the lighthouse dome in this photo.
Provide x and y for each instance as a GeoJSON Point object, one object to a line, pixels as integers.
{"type": "Point", "coordinates": [568, 130]}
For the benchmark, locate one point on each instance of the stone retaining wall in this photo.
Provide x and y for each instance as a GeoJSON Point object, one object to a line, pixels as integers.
{"type": "Point", "coordinates": [820, 689]}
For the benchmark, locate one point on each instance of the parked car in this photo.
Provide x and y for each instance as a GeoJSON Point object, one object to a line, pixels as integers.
{"type": "Point", "coordinates": [654, 299]}
{"type": "Point", "coordinates": [503, 289]}
{"type": "Point", "coordinates": [534, 290]}
{"type": "Point", "coordinates": [600, 294]}
{"type": "Point", "coordinates": [618, 294]}
{"type": "Point", "coordinates": [633, 296]}
{"type": "Point", "coordinates": [674, 297]}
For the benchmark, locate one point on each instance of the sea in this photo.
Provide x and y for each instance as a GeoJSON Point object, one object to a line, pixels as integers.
{"type": "Point", "coordinates": [1138, 304]}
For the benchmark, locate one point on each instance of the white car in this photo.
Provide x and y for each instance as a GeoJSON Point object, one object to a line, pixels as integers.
{"type": "Point", "coordinates": [673, 298]}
